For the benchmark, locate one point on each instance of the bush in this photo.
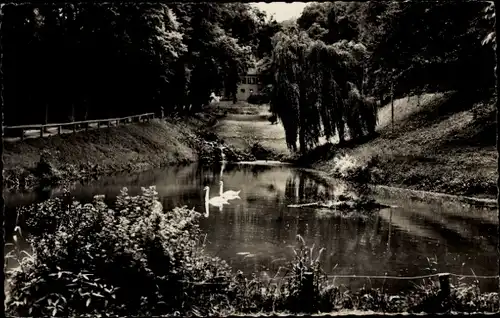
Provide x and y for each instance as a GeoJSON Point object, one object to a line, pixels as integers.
{"type": "Point", "coordinates": [136, 260]}
{"type": "Point", "coordinates": [261, 153]}
{"type": "Point", "coordinates": [258, 99]}
{"type": "Point", "coordinates": [133, 260]}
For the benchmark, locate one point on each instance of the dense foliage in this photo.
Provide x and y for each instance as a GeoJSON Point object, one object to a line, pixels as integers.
{"type": "Point", "coordinates": [82, 61]}
{"type": "Point", "coordinates": [338, 58]}
{"type": "Point", "coordinates": [89, 60]}
{"type": "Point", "coordinates": [132, 260]}
{"type": "Point", "coordinates": [316, 91]}
{"type": "Point", "coordinates": [417, 46]}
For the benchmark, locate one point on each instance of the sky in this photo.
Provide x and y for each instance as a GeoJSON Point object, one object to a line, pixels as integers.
{"type": "Point", "coordinates": [282, 11]}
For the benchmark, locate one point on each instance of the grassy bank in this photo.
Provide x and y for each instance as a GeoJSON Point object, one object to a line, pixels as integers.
{"type": "Point", "coordinates": [246, 127]}
{"type": "Point", "coordinates": [444, 143]}
{"type": "Point", "coordinates": [78, 269]}
{"type": "Point", "coordinates": [86, 155]}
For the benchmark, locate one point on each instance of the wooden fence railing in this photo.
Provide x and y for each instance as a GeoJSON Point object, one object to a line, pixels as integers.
{"type": "Point", "coordinates": [19, 131]}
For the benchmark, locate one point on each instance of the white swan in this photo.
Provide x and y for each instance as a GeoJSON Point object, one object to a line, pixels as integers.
{"type": "Point", "coordinates": [215, 201]}
{"type": "Point", "coordinates": [228, 195]}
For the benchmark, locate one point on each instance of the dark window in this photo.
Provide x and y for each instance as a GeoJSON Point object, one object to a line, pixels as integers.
{"type": "Point", "coordinates": [242, 90]}
{"type": "Point", "coordinates": [244, 80]}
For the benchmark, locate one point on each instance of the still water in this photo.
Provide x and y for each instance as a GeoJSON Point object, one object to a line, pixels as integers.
{"type": "Point", "coordinates": [256, 233]}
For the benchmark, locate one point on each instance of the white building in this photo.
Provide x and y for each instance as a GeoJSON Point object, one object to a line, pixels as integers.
{"type": "Point", "coordinates": [250, 84]}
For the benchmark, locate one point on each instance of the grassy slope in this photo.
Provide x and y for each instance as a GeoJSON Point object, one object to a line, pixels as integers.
{"type": "Point", "coordinates": [246, 124]}
{"type": "Point", "coordinates": [129, 147]}
{"type": "Point", "coordinates": [447, 144]}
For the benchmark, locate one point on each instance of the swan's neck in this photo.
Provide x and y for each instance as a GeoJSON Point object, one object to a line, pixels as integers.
{"type": "Point", "coordinates": [206, 194]}
{"type": "Point", "coordinates": [221, 187]}
{"type": "Point", "coordinates": [207, 209]}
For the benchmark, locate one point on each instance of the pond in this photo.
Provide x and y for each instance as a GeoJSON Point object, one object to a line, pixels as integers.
{"type": "Point", "coordinates": [256, 233]}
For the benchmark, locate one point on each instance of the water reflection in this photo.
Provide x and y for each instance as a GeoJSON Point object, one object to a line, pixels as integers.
{"type": "Point", "coordinates": [256, 232]}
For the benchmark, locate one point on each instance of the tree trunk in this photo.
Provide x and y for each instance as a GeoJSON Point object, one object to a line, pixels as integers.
{"type": "Point", "coordinates": [302, 140]}
{"type": "Point", "coordinates": [363, 82]}
{"type": "Point", "coordinates": [196, 107]}
{"type": "Point", "coordinates": [235, 92]}
{"type": "Point", "coordinates": [340, 130]}
{"type": "Point", "coordinates": [392, 106]}
{"type": "Point", "coordinates": [2, 202]}
{"type": "Point", "coordinates": [86, 115]}
{"type": "Point", "coordinates": [497, 77]}
{"type": "Point", "coordinates": [46, 121]}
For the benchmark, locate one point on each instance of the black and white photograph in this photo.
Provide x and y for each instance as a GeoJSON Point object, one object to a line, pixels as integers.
{"type": "Point", "coordinates": [215, 159]}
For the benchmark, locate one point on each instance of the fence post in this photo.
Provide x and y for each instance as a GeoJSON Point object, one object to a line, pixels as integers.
{"type": "Point", "coordinates": [59, 129]}
{"type": "Point", "coordinates": [87, 124]}
{"type": "Point", "coordinates": [308, 291]}
{"type": "Point", "coordinates": [22, 134]}
{"type": "Point", "coordinates": [444, 286]}
{"type": "Point", "coordinates": [41, 131]}
{"type": "Point", "coordinates": [74, 128]}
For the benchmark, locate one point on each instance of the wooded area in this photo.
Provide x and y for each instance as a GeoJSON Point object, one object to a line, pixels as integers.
{"type": "Point", "coordinates": [337, 59]}
{"type": "Point", "coordinates": [325, 72]}
{"type": "Point", "coordinates": [69, 62]}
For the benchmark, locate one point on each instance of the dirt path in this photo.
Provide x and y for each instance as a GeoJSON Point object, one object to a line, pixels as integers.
{"type": "Point", "coordinates": [245, 125]}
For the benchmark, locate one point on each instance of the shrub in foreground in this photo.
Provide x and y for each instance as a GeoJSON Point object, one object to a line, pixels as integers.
{"type": "Point", "coordinates": [132, 260]}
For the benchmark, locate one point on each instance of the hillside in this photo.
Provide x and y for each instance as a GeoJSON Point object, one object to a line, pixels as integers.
{"type": "Point", "coordinates": [84, 155]}
{"type": "Point", "coordinates": [445, 144]}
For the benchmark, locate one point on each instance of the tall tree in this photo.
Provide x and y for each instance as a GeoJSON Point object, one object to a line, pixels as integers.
{"type": "Point", "coordinates": [316, 89]}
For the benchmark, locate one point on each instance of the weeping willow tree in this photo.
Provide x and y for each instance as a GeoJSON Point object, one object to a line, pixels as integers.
{"type": "Point", "coordinates": [287, 102]}
{"type": "Point", "coordinates": [316, 90]}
